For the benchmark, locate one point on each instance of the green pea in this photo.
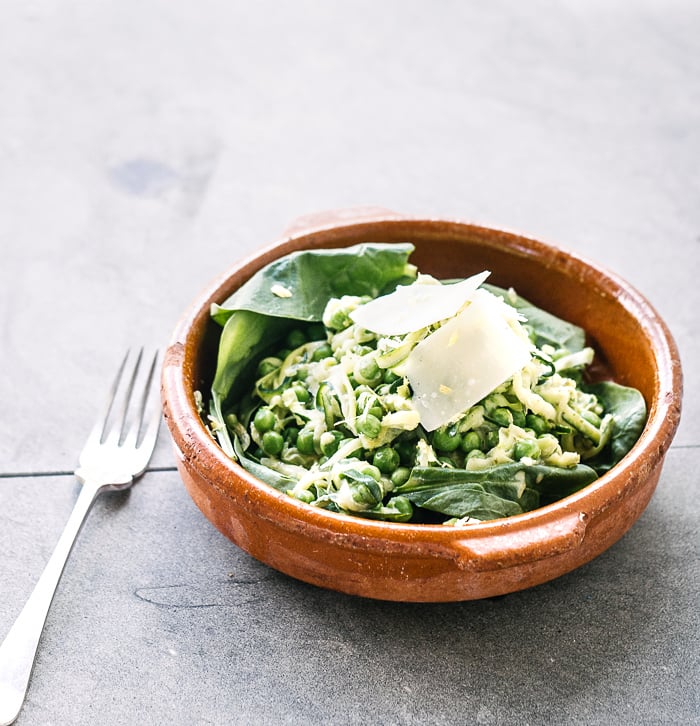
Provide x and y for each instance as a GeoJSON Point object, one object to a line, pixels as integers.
{"type": "Point", "coordinates": [377, 411]}
{"type": "Point", "coordinates": [501, 416]}
{"type": "Point", "coordinates": [390, 377]}
{"type": "Point", "coordinates": [267, 366]}
{"type": "Point", "coordinates": [403, 506]}
{"type": "Point", "coordinates": [295, 338]}
{"type": "Point", "coordinates": [536, 423]}
{"type": "Point", "coordinates": [370, 470]}
{"type": "Point", "coordinates": [339, 320]}
{"type": "Point", "coordinates": [290, 435]}
{"type": "Point", "coordinates": [519, 418]}
{"type": "Point", "coordinates": [301, 392]}
{"type": "Point", "coordinates": [386, 459]}
{"type": "Point", "coordinates": [322, 352]}
{"type": "Point", "coordinates": [272, 442]}
{"type": "Point", "coordinates": [406, 450]}
{"type": "Point", "coordinates": [491, 438]}
{"type": "Point", "coordinates": [470, 441]}
{"type": "Point", "coordinates": [475, 454]}
{"type": "Point", "coordinates": [305, 442]}
{"type": "Point", "coordinates": [329, 442]}
{"type": "Point", "coordinates": [400, 476]}
{"type": "Point", "coordinates": [367, 371]}
{"type": "Point", "coordinates": [264, 420]}
{"type": "Point", "coordinates": [447, 438]}
{"type": "Point", "coordinates": [305, 496]}
{"type": "Point", "coordinates": [369, 425]}
{"type": "Point", "coordinates": [526, 448]}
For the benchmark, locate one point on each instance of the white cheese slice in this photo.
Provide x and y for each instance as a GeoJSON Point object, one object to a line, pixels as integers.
{"type": "Point", "coordinates": [464, 360]}
{"type": "Point", "coordinates": [412, 307]}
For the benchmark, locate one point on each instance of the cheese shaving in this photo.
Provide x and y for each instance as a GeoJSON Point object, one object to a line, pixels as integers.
{"type": "Point", "coordinates": [412, 307]}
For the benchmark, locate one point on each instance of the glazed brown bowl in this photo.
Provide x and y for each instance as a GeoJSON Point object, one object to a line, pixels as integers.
{"type": "Point", "coordinates": [431, 563]}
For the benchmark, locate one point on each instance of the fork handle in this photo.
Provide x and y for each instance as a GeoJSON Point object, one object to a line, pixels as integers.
{"type": "Point", "coordinates": [18, 650]}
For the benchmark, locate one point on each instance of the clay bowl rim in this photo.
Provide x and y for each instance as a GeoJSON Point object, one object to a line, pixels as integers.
{"type": "Point", "coordinates": [194, 441]}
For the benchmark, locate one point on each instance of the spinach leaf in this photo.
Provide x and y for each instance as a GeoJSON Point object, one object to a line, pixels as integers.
{"type": "Point", "coordinates": [554, 483]}
{"type": "Point", "coordinates": [299, 285]}
{"type": "Point", "coordinates": [548, 328]}
{"type": "Point", "coordinates": [279, 481]}
{"type": "Point", "coordinates": [232, 446]}
{"type": "Point", "coordinates": [629, 412]}
{"type": "Point", "coordinates": [253, 318]}
{"type": "Point", "coordinates": [464, 500]}
{"type": "Point", "coordinates": [245, 336]}
{"type": "Point", "coordinates": [492, 493]}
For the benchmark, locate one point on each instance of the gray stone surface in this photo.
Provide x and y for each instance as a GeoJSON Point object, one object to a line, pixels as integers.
{"type": "Point", "coordinates": [145, 147]}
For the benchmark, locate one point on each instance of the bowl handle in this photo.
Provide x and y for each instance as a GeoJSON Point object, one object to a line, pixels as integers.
{"type": "Point", "coordinates": [526, 545]}
{"type": "Point", "coordinates": [332, 217]}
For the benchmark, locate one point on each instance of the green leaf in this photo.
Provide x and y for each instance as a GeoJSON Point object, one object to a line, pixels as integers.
{"type": "Point", "coordinates": [465, 500]}
{"type": "Point", "coordinates": [244, 337]}
{"type": "Point", "coordinates": [498, 491]}
{"type": "Point", "coordinates": [548, 328]}
{"type": "Point", "coordinates": [299, 285]}
{"type": "Point", "coordinates": [554, 483]}
{"type": "Point", "coordinates": [220, 429]}
{"type": "Point", "coordinates": [232, 447]}
{"type": "Point", "coordinates": [253, 318]}
{"type": "Point", "coordinates": [364, 489]}
{"type": "Point", "coordinates": [279, 481]}
{"type": "Point", "coordinates": [629, 412]}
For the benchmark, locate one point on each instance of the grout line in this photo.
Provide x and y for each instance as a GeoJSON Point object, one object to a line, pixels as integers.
{"type": "Point", "coordinates": [38, 474]}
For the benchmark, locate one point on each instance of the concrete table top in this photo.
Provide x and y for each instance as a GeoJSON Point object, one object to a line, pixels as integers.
{"type": "Point", "coordinates": [144, 148]}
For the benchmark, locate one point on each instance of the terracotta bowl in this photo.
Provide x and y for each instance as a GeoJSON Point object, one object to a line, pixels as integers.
{"type": "Point", "coordinates": [432, 563]}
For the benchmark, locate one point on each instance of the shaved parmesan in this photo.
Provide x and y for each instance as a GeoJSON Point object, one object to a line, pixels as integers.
{"type": "Point", "coordinates": [412, 307]}
{"type": "Point", "coordinates": [464, 360]}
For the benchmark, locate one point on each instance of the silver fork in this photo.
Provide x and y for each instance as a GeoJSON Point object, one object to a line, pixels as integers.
{"type": "Point", "coordinates": [115, 455]}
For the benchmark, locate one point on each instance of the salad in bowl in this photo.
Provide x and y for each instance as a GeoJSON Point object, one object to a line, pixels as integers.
{"type": "Point", "coordinates": [353, 382]}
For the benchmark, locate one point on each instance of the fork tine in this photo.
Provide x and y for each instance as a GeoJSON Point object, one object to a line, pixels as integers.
{"type": "Point", "coordinates": [124, 437]}
{"type": "Point", "coordinates": [152, 418]}
{"type": "Point", "coordinates": [149, 390]}
{"type": "Point", "coordinates": [98, 430]}
{"type": "Point", "coordinates": [121, 415]}
{"type": "Point", "coordinates": [139, 416]}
